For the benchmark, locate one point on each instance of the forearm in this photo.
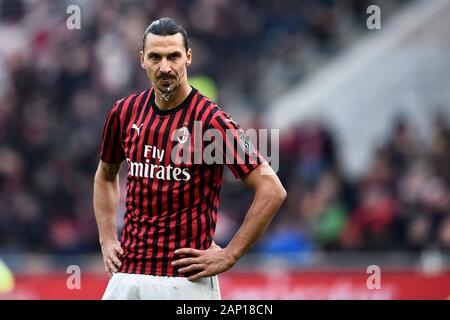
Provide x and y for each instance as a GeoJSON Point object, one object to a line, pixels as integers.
{"type": "Point", "coordinates": [265, 204]}
{"type": "Point", "coordinates": [106, 203]}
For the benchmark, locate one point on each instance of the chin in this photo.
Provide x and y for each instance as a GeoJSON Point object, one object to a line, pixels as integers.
{"type": "Point", "coordinates": [163, 88]}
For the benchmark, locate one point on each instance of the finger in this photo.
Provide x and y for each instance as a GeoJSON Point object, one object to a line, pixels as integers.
{"type": "Point", "coordinates": [199, 275]}
{"type": "Point", "coordinates": [189, 251]}
{"type": "Point", "coordinates": [185, 262]}
{"type": "Point", "coordinates": [114, 269]}
{"type": "Point", "coordinates": [194, 267]}
{"type": "Point", "coordinates": [107, 271]}
{"type": "Point", "coordinates": [111, 266]}
{"type": "Point", "coordinates": [116, 261]}
{"type": "Point", "coordinates": [118, 249]}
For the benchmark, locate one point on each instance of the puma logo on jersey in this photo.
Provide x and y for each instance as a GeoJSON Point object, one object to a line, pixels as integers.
{"type": "Point", "coordinates": [138, 129]}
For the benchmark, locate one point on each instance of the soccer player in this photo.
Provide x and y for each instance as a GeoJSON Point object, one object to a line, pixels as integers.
{"type": "Point", "coordinates": [166, 249]}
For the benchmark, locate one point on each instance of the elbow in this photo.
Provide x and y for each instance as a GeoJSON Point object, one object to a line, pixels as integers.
{"type": "Point", "coordinates": [271, 189]}
{"type": "Point", "coordinates": [284, 194]}
{"type": "Point", "coordinates": [281, 194]}
{"type": "Point", "coordinates": [277, 193]}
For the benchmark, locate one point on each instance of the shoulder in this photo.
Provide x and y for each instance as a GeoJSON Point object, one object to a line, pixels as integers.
{"type": "Point", "coordinates": [210, 111]}
{"type": "Point", "coordinates": [222, 119]}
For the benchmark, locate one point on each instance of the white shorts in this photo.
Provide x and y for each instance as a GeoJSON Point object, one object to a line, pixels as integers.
{"type": "Point", "coordinates": [126, 286]}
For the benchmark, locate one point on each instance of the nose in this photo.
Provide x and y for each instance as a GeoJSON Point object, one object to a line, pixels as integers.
{"type": "Point", "coordinates": [165, 66]}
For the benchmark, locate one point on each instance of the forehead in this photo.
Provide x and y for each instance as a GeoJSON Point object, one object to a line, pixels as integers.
{"type": "Point", "coordinates": [163, 44]}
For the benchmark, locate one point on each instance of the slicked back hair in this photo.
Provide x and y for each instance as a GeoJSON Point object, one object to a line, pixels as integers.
{"type": "Point", "coordinates": [165, 27]}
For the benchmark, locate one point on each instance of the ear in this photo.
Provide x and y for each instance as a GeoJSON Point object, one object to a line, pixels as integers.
{"type": "Point", "coordinates": [142, 59]}
{"type": "Point", "coordinates": [189, 57]}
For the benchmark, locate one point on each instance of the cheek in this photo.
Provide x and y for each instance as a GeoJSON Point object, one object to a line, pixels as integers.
{"type": "Point", "coordinates": [181, 70]}
{"type": "Point", "coordinates": [150, 71]}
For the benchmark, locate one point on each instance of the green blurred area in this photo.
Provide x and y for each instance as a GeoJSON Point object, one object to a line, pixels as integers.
{"type": "Point", "coordinates": [205, 85]}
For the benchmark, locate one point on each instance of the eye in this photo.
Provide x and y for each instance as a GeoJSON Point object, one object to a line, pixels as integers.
{"type": "Point", "coordinates": [153, 57]}
{"type": "Point", "coordinates": [174, 56]}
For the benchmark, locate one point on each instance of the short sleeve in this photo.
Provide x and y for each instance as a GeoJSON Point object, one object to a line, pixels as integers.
{"type": "Point", "coordinates": [239, 153]}
{"type": "Point", "coordinates": [111, 147]}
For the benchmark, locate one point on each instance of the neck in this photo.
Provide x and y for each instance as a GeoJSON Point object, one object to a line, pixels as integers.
{"type": "Point", "coordinates": [175, 99]}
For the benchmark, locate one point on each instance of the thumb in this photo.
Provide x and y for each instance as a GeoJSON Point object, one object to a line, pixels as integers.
{"type": "Point", "coordinates": [214, 246]}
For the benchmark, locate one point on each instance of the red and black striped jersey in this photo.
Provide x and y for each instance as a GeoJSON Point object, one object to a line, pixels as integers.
{"type": "Point", "coordinates": [170, 203]}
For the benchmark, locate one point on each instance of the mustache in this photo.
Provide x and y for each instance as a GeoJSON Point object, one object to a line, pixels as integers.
{"type": "Point", "coordinates": [165, 77]}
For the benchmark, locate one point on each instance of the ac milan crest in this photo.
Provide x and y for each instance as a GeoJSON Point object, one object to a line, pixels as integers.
{"type": "Point", "coordinates": [183, 135]}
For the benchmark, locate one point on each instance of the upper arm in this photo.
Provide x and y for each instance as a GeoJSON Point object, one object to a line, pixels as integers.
{"type": "Point", "coordinates": [107, 171]}
{"type": "Point", "coordinates": [111, 150]}
{"type": "Point", "coordinates": [264, 178]}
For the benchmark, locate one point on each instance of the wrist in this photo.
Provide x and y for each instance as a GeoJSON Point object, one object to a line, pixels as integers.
{"type": "Point", "coordinates": [232, 255]}
{"type": "Point", "coordinates": [105, 241]}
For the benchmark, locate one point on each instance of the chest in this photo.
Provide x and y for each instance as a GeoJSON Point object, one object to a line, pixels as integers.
{"type": "Point", "coordinates": [163, 140]}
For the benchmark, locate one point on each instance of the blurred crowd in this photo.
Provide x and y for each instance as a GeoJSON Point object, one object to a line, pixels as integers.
{"type": "Point", "coordinates": [57, 86]}
{"type": "Point", "coordinates": [401, 202]}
